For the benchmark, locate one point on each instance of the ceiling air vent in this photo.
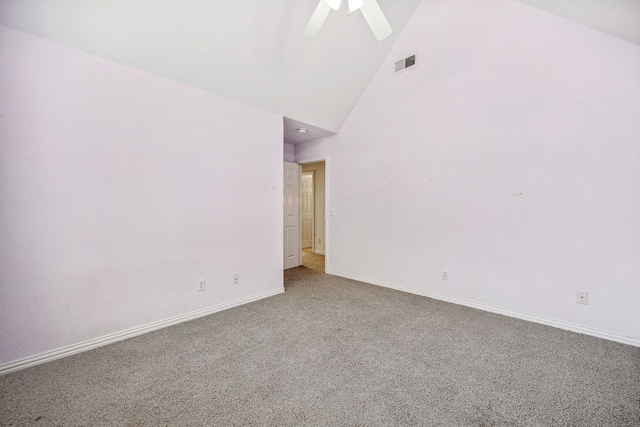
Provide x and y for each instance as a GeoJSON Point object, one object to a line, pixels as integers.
{"type": "Point", "coordinates": [404, 64]}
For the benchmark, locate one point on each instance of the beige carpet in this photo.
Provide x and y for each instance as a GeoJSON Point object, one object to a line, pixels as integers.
{"type": "Point", "coordinates": [314, 262]}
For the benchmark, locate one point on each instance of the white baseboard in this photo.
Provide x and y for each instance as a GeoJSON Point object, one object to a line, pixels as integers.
{"type": "Point", "coordinates": [319, 252]}
{"type": "Point", "coordinates": [129, 333]}
{"type": "Point", "coordinates": [634, 341]}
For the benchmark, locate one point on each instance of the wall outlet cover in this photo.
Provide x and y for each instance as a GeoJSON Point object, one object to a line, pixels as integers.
{"type": "Point", "coordinates": [582, 298]}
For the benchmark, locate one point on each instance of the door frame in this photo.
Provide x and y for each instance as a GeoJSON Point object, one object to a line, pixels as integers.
{"type": "Point", "coordinates": [313, 209]}
{"type": "Point", "coordinates": [327, 241]}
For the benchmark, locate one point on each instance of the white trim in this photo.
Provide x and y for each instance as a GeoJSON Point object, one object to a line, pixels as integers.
{"type": "Point", "coordinates": [129, 333]}
{"type": "Point", "coordinates": [311, 160]}
{"type": "Point", "coordinates": [634, 341]}
{"type": "Point", "coordinates": [319, 252]}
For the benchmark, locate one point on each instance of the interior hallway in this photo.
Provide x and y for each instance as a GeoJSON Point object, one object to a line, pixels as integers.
{"type": "Point", "coordinates": [312, 261]}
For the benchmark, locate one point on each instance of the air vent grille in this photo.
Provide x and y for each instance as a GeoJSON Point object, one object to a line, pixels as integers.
{"type": "Point", "coordinates": [404, 64]}
{"type": "Point", "coordinates": [410, 61]}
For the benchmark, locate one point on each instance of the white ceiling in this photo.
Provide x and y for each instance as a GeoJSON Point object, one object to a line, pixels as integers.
{"type": "Point", "coordinates": [619, 18]}
{"type": "Point", "coordinates": [293, 136]}
{"type": "Point", "coordinates": [253, 50]}
{"type": "Point", "coordinates": [249, 50]}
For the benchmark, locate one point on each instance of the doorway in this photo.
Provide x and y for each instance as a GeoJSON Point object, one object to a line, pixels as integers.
{"type": "Point", "coordinates": [313, 231]}
{"type": "Point", "coordinates": [305, 191]}
{"type": "Point", "coordinates": [306, 210]}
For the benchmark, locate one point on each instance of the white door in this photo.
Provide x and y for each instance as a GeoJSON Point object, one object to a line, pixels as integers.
{"type": "Point", "coordinates": [291, 215]}
{"type": "Point", "coordinates": [307, 209]}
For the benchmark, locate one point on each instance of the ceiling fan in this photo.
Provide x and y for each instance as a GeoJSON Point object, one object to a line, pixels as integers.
{"type": "Point", "coordinates": [369, 8]}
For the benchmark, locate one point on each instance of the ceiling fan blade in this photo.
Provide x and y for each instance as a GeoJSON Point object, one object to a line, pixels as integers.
{"type": "Point", "coordinates": [354, 5]}
{"type": "Point", "coordinates": [316, 21]}
{"type": "Point", "coordinates": [376, 19]}
{"type": "Point", "coordinates": [334, 4]}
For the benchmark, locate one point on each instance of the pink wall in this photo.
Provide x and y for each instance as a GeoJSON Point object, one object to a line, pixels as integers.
{"type": "Point", "coordinates": [118, 191]}
{"type": "Point", "coordinates": [510, 156]}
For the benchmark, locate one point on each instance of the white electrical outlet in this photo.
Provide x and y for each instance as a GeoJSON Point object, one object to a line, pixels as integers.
{"type": "Point", "coordinates": [445, 275]}
{"type": "Point", "coordinates": [582, 298]}
{"type": "Point", "coordinates": [201, 285]}
{"type": "Point", "coordinates": [236, 278]}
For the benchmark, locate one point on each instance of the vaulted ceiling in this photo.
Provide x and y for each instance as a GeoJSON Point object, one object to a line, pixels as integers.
{"type": "Point", "coordinates": [249, 50]}
{"type": "Point", "coordinates": [253, 50]}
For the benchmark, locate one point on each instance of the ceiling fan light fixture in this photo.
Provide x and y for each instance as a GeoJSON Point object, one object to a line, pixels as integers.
{"type": "Point", "coordinates": [354, 5]}
{"type": "Point", "coordinates": [370, 10]}
{"type": "Point", "coordinates": [334, 4]}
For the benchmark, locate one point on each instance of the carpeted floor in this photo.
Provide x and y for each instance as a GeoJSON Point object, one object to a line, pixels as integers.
{"type": "Point", "coordinates": [330, 352]}
{"type": "Point", "coordinates": [313, 261]}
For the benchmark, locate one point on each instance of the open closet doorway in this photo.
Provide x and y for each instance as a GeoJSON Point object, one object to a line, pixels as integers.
{"type": "Point", "coordinates": [312, 211]}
